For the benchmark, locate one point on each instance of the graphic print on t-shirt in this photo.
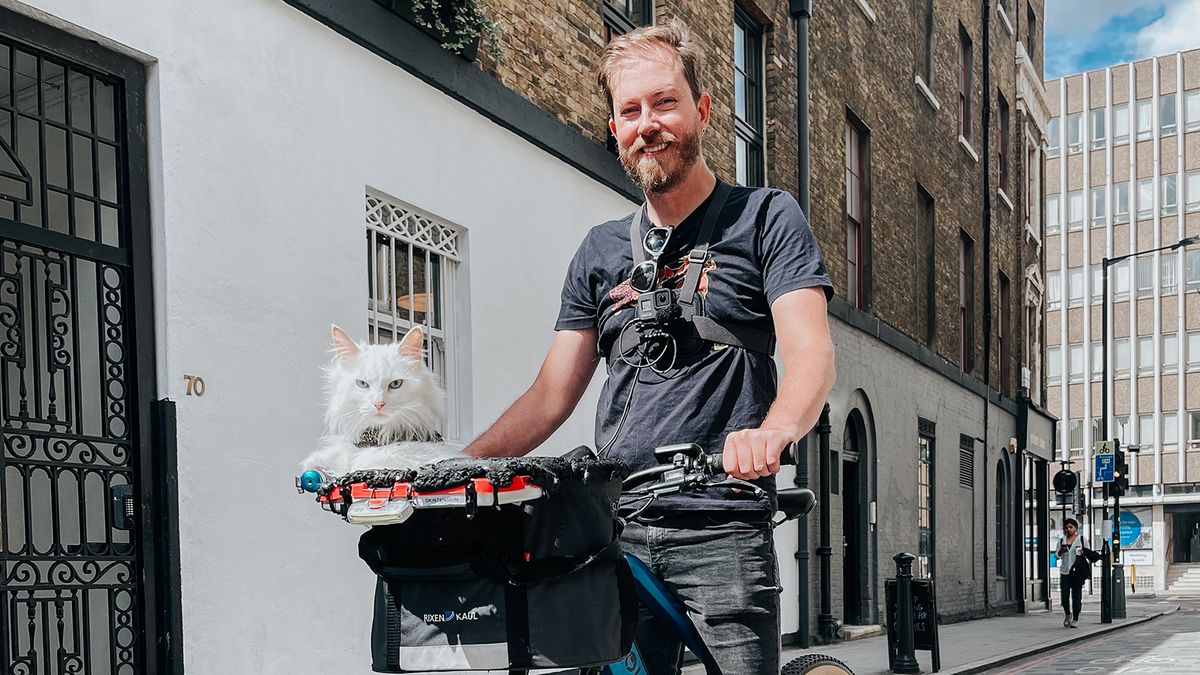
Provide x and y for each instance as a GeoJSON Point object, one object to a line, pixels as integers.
{"type": "Point", "coordinates": [623, 295]}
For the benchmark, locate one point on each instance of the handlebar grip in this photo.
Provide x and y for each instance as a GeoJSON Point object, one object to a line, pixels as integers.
{"type": "Point", "coordinates": [716, 462]}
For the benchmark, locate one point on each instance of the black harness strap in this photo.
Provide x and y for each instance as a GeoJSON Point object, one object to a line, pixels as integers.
{"type": "Point", "coordinates": [735, 335]}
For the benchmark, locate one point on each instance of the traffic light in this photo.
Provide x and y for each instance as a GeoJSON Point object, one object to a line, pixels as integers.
{"type": "Point", "coordinates": [1120, 482]}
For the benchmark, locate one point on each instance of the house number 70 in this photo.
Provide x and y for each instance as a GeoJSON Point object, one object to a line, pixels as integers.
{"type": "Point", "coordinates": [195, 385]}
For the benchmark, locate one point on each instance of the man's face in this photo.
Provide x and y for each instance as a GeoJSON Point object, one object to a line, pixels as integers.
{"type": "Point", "coordinates": [655, 120]}
{"type": "Point", "coordinates": [1070, 528]}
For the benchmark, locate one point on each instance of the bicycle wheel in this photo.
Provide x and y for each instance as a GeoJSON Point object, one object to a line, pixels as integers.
{"type": "Point", "coordinates": [816, 664]}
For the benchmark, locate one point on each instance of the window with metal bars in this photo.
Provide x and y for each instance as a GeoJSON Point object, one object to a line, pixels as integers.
{"type": "Point", "coordinates": [412, 258]}
{"type": "Point", "coordinates": [748, 99]}
{"type": "Point", "coordinates": [966, 461]}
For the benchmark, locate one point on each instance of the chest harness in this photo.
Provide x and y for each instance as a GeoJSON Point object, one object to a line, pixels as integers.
{"type": "Point", "coordinates": [664, 312]}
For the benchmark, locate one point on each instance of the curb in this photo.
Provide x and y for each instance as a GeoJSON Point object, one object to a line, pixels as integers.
{"type": "Point", "coordinates": [1003, 659]}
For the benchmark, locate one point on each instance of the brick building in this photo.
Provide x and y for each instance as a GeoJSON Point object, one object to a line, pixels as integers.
{"type": "Point", "coordinates": [1123, 179]}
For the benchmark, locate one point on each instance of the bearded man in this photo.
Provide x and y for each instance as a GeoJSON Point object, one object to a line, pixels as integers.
{"type": "Point", "coordinates": [756, 272]}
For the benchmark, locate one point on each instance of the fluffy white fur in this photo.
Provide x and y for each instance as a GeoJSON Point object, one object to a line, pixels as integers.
{"type": "Point", "coordinates": [386, 392]}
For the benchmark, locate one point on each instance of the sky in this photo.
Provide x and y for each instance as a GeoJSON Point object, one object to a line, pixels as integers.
{"type": "Point", "coordinates": [1083, 35]}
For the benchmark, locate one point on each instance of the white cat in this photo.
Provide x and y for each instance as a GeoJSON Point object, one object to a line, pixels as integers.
{"type": "Point", "coordinates": [384, 409]}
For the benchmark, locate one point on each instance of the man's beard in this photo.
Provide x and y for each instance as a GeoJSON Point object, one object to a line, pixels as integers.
{"type": "Point", "coordinates": [648, 172]}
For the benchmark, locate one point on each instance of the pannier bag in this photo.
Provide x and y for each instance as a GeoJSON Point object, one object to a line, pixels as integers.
{"type": "Point", "coordinates": [532, 584]}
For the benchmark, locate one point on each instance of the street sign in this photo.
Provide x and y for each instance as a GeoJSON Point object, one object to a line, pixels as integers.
{"type": "Point", "coordinates": [1105, 466]}
{"type": "Point", "coordinates": [1065, 481]}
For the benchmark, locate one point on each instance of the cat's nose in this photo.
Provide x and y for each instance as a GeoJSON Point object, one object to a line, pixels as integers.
{"type": "Point", "coordinates": [379, 405]}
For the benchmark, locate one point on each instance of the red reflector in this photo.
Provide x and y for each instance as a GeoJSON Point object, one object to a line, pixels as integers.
{"type": "Point", "coordinates": [528, 555]}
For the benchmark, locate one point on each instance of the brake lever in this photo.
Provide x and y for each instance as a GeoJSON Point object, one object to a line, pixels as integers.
{"type": "Point", "coordinates": [741, 485]}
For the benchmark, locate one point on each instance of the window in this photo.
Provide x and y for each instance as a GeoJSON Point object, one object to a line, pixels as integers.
{"type": "Point", "coordinates": [622, 16]}
{"type": "Point", "coordinates": [1052, 215]}
{"type": "Point", "coordinates": [927, 235]}
{"type": "Point", "coordinates": [1191, 193]}
{"type": "Point", "coordinates": [1121, 202]}
{"type": "Point", "coordinates": [748, 96]}
{"type": "Point", "coordinates": [1097, 284]}
{"type": "Point", "coordinates": [1145, 277]}
{"type": "Point", "coordinates": [1097, 362]}
{"type": "Point", "coordinates": [1146, 431]}
{"type": "Point", "coordinates": [1097, 430]}
{"type": "Point", "coordinates": [1169, 203]}
{"type": "Point", "coordinates": [966, 299]}
{"type": "Point", "coordinates": [1052, 133]}
{"type": "Point", "coordinates": [1166, 114]}
{"type": "Point", "coordinates": [1075, 210]}
{"type": "Point", "coordinates": [1145, 120]}
{"type": "Point", "coordinates": [1193, 429]}
{"type": "Point", "coordinates": [1121, 356]}
{"type": "Point", "coordinates": [1075, 362]}
{"type": "Point", "coordinates": [412, 259]}
{"type": "Point", "coordinates": [1053, 289]}
{"type": "Point", "coordinates": [1193, 269]}
{"type": "Point", "coordinates": [1075, 287]}
{"type": "Point", "coordinates": [964, 84]}
{"type": "Point", "coordinates": [1003, 142]}
{"type": "Point", "coordinates": [1193, 351]}
{"type": "Point", "coordinates": [927, 53]}
{"type": "Point", "coordinates": [1054, 365]}
{"type": "Point", "coordinates": [1170, 432]}
{"type": "Point", "coordinates": [1098, 206]}
{"type": "Point", "coordinates": [1098, 128]}
{"type": "Point", "coordinates": [1074, 132]}
{"type": "Point", "coordinates": [1002, 333]}
{"type": "Point", "coordinates": [924, 562]}
{"type": "Point", "coordinates": [1031, 35]}
{"type": "Point", "coordinates": [1075, 437]}
{"type": "Point", "coordinates": [1123, 430]}
{"type": "Point", "coordinates": [1167, 276]}
{"type": "Point", "coordinates": [1145, 202]}
{"type": "Point", "coordinates": [857, 166]}
{"type": "Point", "coordinates": [1170, 352]}
{"type": "Point", "coordinates": [1120, 276]}
{"type": "Point", "coordinates": [1191, 106]}
{"type": "Point", "coordinates": [1120, 123]}
{"type": "Point", "coordinates": [1145, 355]}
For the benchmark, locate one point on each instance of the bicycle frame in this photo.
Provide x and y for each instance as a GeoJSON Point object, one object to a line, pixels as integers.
{"type": "Point", "coordinates": [655, 596]}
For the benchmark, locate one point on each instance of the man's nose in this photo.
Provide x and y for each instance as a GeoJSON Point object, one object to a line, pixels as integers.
{"type": "Point", "coordinates": [648, 123]}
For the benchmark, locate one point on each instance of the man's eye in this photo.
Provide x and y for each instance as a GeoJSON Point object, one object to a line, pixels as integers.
{"type": "Point", "coordinates": [628, 111]}
{"type": "Point", "coordinates": [667, 101]}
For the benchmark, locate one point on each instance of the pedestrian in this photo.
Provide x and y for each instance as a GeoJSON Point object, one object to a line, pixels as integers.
{"type": "Point", "coordinates": [727, 273]}
{"type": "Point", "coordinates": [1073, 569]}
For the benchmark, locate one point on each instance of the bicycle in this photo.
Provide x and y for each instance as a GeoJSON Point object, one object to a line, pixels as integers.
{"type": "Point", "coordinates": [681, 468]}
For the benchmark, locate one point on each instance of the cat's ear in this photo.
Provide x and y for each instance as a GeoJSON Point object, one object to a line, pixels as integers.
{"type": "Point", "coordinates": [412, 344]}
{"type": "Point", "coordinates": [345, 347]}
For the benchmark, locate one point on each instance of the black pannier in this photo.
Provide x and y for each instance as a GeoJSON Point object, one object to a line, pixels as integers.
{"type": "Point", "coordinates": [526, 585]}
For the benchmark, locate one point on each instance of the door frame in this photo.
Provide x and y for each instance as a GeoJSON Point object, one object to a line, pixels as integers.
{"type": "Point", "coordinates": [152, 421]}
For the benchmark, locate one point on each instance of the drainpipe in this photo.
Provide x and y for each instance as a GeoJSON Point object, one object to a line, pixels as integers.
{"type": "Point", "coordinates": [827, 626]}
{"type": "Point", "coordinates": [987, 286]}
{"type": "Point", "coordinates": [801, 11]}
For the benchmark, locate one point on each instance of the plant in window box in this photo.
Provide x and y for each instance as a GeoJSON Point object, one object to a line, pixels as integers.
{"type": "Point", "coordinates": [459, 25]}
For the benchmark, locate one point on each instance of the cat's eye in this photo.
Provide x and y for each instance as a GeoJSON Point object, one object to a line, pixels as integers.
{"type": "Point", "coordinates": [362, 384]}
{"type": "Point", "coordinates": [395, 384]}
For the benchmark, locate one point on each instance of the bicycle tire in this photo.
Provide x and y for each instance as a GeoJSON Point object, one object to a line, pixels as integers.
{"type": "Point", "coordinates": [816, 664]}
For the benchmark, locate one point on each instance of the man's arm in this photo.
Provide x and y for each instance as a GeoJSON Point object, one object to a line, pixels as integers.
{"type": "Point", "coordinates": [547, 403]}
{"type": "Point", "coordinates": [807, 352]}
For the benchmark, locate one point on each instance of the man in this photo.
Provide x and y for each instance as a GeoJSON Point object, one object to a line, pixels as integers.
{"type": "Point", "coordinates": [762, 273]}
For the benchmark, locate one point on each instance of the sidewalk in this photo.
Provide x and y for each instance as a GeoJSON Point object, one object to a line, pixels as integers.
{"type": "Point", "coordinates": [975, 646]}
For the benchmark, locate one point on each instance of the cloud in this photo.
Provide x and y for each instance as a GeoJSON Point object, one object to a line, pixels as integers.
{"type": "Point", "coordinates": [1081, 36]}
{"type": "Point", "coordinates": [1084, 17]}
{"type": "Point", "coordinates": [1177, 30]}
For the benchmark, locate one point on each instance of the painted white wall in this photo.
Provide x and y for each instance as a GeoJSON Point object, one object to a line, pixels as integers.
{"type": "Point", "coordinates": [266, 128]}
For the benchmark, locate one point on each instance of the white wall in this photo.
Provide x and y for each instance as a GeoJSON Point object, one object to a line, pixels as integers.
{"type": "Point", "coordinates": [266, 129]}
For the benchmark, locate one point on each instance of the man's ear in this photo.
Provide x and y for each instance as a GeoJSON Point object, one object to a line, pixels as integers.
{"type": "Point", "coordinates": [704, 105]}
{"type": "Point", "coordinates": [612, 126]}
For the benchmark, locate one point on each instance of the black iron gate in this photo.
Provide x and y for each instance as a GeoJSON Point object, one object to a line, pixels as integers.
{"type": "Point", "coordinates": [77, 582]}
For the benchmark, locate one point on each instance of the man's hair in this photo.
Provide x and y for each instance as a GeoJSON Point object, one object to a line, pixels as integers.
{"type": "Point", "coordinates": [672, 34]}
{"type": "Point", "coordinates": [1071, 521]}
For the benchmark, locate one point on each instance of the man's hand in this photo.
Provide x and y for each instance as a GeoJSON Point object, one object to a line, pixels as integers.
{"type": "Point", "coordinates": [754, 453]}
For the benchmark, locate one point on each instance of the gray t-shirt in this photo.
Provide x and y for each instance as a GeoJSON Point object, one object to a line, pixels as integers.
{"type": "Point", "coordinates": [761, 248]}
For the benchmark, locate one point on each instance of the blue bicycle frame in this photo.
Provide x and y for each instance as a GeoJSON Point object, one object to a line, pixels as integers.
{"type": "Point", "coordinates": [653, 594]}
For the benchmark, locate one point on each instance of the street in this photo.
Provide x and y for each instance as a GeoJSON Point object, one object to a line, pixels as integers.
{"type": "Point", "coordinates": [1168, 645]}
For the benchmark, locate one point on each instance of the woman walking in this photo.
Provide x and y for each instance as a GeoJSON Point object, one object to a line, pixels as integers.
{"type": "Point", "coordinates": [1074, 570]}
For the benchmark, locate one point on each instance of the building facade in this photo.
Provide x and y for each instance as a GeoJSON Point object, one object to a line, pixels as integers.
{"type": "Point", "coordinates": [186, 190]}
{"type": "Point", "coordinates": [1123, 179]}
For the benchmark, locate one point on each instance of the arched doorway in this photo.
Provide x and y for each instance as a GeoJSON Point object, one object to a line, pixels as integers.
{"type": "Point", "coordinates": [1004, 531]}
{"type": "Point", "coordinates": [855, 561]}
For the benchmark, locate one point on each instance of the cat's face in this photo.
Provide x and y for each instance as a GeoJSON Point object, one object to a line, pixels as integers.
{"type": "Point", "coordinates": [386, 386]}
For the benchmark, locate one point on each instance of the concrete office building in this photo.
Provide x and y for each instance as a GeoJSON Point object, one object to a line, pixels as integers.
{"type": "Point", "coordinates": [1123, 177]}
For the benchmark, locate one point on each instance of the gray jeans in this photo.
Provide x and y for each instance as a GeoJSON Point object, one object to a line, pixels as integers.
{"type": "Point", "coordinates": [725, 573]}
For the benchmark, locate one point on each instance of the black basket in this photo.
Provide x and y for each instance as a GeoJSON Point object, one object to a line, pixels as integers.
{"type": "Point", "coordinates": [531, 585]}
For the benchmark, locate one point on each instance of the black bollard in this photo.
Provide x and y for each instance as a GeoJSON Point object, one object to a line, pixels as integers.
{"type": "Point", "coordinates": [906, 658]}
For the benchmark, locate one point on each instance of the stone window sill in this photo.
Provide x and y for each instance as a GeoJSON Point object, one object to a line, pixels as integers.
{"type": "Point", "coordinates": [1004, 198]}
{"type": "Point", "coordinates": [866, 10]}
{"type": "Point", "coordinates": [967, 146]}
{"type": "Point", "coordinates": [925, 91]}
